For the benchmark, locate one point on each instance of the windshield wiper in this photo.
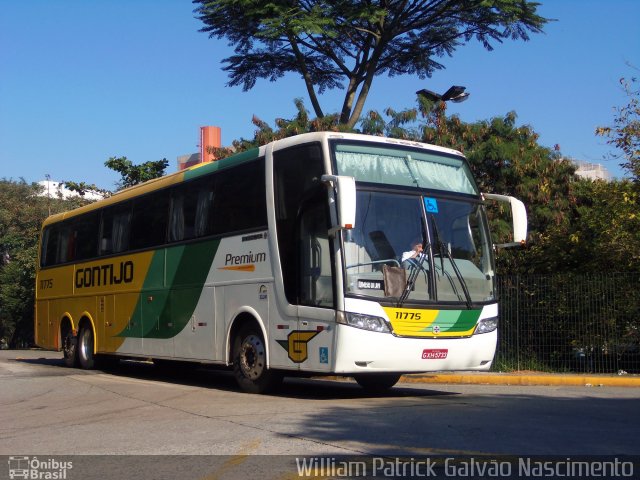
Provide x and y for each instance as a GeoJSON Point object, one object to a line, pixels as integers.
{"type": "Point", "coordinates": [442, 248]}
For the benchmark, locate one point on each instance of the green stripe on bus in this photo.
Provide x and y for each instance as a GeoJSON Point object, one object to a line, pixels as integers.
{"type": "Point", "coordinates": [163, 312]}
{"type": "Point", "coordinates": [466, 320]}
{"type": "Point", "coordinates": [232, 161]}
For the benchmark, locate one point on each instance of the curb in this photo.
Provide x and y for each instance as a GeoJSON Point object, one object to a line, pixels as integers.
{"type": "Point", "coordinates": [526, 379]}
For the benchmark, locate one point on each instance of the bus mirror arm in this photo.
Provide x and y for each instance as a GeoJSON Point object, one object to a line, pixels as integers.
{"type": "Point", "coordinates": [345, 197]}
{"type": "Point", "coordinates": [519, 218]}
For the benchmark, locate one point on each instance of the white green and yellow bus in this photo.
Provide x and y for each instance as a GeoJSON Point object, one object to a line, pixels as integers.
{"type": "Point", "coordinates": [286, 259]}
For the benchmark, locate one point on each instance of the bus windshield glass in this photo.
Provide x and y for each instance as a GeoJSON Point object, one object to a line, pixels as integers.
{"type": "Point", "coordinates": [440, 240]}
{"type": "Point", "coordinates": [447, 249]}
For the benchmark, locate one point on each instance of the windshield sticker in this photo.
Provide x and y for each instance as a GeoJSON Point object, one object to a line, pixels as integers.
{"type": "Point", "coordinates": [370, 284]}
{"type": "Point", "coordinates": [431, 204]}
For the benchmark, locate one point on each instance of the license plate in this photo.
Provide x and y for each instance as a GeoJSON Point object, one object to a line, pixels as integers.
{"type": "Point", "coordinates": [434, 353]}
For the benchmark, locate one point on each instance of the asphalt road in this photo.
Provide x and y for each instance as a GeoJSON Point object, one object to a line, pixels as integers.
{"type": "Point", "coordinates": [50, 411]}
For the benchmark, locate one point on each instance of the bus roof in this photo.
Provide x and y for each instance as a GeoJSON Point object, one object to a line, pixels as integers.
{"type": "Point", "coordinates": [159, 183]}
{"type": "Point", "coordinates": [237, 159]}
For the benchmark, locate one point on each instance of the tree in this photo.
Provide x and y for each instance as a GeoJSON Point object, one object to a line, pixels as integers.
{"type": "Point", "coordinates": [130, 175]}
{"type": "Point", "coordinates": [22, 210]}
{"type": "Point", "coordinates": [346, 44]}
{"type": "Point", "coordinates": [504, 158]}
{"type": "Point", "coordinates": [134, 174]}
{"type": "Point", "coordinates": [625, 132]}
{"type": "Point", "coordinates": [604, 233]}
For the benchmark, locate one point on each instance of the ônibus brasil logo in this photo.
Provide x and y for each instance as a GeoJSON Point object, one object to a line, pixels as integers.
{"type": "Point", "coordinates": [33, 468]}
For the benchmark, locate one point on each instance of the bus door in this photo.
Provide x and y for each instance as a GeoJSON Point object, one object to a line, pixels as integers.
{"type": "Point", "coordinates": [127, 323]}
{"type": "Point", "coordinates": [302, 224]}
{"type": "Point", "coordinates": [197, 339]}
{"type": "Point", "coordinates": [41, 323]}
{"type": "Point", "coordinates": [316, 295]}
{"type": "Point", "coordinates": [107, 340]}
{"type": "Point", "coordinates": [153, 304]}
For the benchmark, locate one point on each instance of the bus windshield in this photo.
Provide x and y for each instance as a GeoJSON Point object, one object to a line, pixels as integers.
{"type": "Point", "coordinates": [437, 236]}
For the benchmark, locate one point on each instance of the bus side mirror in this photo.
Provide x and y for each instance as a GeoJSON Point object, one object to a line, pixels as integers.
{"type": "Point", "coordinates": [518, 215]}
{"type": "Point", "coordinates": [346, 201]}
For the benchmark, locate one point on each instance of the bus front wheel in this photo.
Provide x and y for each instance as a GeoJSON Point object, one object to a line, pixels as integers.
{"type": "Point", "coordinates": [86, 357]}
{"type": "Point", "coordinates": [250, 362]}
{"type": "Point", "coordinates": [377, 383]}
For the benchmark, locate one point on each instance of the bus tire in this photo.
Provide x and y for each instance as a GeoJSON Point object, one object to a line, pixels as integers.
{"type": "Point", "coordinates": [70, 349]}
{"type": "Point", "coordinates": [377, 382]}
{"type": "Point", "coordinates": [86, 358]}
{"type": "Point", "coordinates": [250, 362]}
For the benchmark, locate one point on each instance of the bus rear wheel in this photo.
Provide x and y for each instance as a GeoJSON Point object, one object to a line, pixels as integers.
{"type": "Point", "coordinates": [250, 362]}
{"type": "Point", "coordinates": [70, 349]}
{"type": "Point", "coordinates": [86, 358]}
{"type": "Point", "coordinates": [377, 383]}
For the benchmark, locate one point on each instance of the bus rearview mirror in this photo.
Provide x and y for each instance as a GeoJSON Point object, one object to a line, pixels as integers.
{"type": "Point", "coordinates": [518, 215]}
{"type": "Point", "coordinates": [345, 200]}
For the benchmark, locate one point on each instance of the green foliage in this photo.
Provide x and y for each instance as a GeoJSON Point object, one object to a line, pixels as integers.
{"type": "Point", "coordinates": [605, 228]}
{"type": "Point", "coordinates": [625, 132]}
{"type": "Point", "coordinates": [22, 211]}
{"type": "Point", "coordinates": [264, 134]}
{"type": "Point", "coordinates": [82, 188]}
{"type": "Point", "coordinates": [574, 225]}
{"type": "Point", "coordinates": [134, 174]}
{"type": "Point", "coordinates": [130, 175]}
{"type": "Point", "coordinates": [346, 44]}
{"type": "Point", "coordinates": [505, 158]}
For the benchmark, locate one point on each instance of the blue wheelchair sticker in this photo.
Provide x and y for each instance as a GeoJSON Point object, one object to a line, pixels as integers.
{"type": "Point", "coordinates": [324, 355]}
{"type": "Point", "coordinates": [431, 204]}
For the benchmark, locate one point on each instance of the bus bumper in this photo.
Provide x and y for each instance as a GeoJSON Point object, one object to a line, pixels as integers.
{"type": "Point", "coordinates": [362, 351]}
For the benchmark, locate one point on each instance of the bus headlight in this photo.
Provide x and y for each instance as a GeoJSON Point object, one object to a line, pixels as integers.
{"type": "Point", "coordinates": [486, 325]}
{"type": "Point", "coordinates": [365, 322]}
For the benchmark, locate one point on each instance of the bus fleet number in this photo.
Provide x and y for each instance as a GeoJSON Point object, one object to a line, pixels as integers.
{"type": "Point", "coordinates": [408, 316]}
{"type": "Point", "coordinates": [47, 283]}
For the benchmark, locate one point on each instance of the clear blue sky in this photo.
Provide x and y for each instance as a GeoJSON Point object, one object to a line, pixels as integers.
{"type": "Point", "coordinates": [81, 81]}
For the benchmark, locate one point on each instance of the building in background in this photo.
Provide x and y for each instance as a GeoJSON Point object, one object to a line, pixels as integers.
{"type": "Point", "coordinates": [53, 189]}
{"type": "Point", "coordinates": [592, 171]}
{"type": "Point", "coordinates": [210, 137]}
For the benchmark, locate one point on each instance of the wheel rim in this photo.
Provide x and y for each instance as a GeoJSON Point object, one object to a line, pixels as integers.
{"type": "Point", "coordinates": [252, 355]}
{"type": "Point", "coordinates": [86, 344]}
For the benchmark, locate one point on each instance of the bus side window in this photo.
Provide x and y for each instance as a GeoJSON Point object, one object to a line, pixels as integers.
{"type": "Point", "coordinates": [239, 202]}
{"type": "Point", "coordinates": [201, 211]}
{"type": "Point", "coordinates": [115, 228]}
{"type": "Point", "coordinates": [176, 216]}
{"type": "Point", "coordinates": [86, 236]}
{"type": "Point", "coordinates": [66, 244]}
{"type": "Point", "coordinates": [190, 210]}
{"type": "Point", "coordinates": [149, 224]}
{"type": "Point", "coordinates": [49, 246]}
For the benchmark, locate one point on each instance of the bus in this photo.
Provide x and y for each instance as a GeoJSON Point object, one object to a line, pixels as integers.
{"type": "Point", "coordinates": [283, 260]}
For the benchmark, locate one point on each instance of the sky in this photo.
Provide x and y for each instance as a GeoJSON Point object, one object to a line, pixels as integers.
{"type": "Point", "coordinates": [82, 81]}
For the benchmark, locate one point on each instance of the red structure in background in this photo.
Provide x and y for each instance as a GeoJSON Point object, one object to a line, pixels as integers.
{"type": "Point", "coordinates": [210, 137]}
